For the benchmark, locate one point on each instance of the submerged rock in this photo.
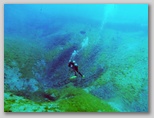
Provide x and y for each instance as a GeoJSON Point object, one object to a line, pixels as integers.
{"type": "Point", "coordinates": [82, 32]}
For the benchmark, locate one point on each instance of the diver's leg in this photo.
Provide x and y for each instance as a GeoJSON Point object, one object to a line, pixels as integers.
{"type": "Point", "coordinates": [75, 73]}
{"type": "Point", "coordinates": [80, 74]}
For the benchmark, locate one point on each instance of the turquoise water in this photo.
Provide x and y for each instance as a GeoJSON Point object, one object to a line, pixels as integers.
{"type": "Point", "coordinates": [109, 43]}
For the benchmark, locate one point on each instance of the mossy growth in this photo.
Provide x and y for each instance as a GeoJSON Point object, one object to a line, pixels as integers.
{"type": "Point", "coordinates": [77, 100]}
{"type": "Point", "coordinates": [51, 54]}
{"type": "Point", "coordinates": [13, 103]}
{"type": "Point", "coordinates": [24, 54]}
{"type": "Point", "coordinates": [70, 99]}
{"type": "Point", "coordinates": [21, 54]}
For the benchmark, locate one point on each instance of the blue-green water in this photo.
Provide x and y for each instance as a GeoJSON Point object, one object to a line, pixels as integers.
{"type": "Point", "coordinates": [109, 43]}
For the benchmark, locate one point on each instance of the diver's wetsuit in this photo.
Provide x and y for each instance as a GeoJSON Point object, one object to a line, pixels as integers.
{"type": "Point", "coordinates": [74, 66]}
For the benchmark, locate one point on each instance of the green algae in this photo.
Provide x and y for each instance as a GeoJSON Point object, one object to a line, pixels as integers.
{"type": "Point", "coordinates": [71, 99]}
{"type": "Point", "coordinates": [23, 55]}
{"type": "Point", "coordinates": [77, 100]}
{"type": "Point", "coordinates": [19, 104]}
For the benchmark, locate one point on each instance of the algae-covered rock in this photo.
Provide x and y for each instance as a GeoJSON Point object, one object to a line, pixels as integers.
{"type": "Point", "coordinates": [70, 99]}
{"type": "Point", "coordinates": [77, 100]}
{"type": "Point", "coordinates": [13, 103]}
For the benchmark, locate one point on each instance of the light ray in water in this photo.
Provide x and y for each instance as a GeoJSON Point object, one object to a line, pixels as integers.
{"type": "Point", "coordinates": [83, 45]}
{"type": "Point", "coordinates": [109, 10]}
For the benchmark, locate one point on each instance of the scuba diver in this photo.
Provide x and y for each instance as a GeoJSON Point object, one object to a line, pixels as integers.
{"type": "Point", "coordinates": [74, 66]}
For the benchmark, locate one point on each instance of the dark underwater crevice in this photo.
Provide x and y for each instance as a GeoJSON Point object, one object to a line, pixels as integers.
{"type": "Point", "coordinates": [38, 96]}
{"type": "Point", "coordinates": [85, 82]}
{"type": "Point", "coordinates": [58, 65]}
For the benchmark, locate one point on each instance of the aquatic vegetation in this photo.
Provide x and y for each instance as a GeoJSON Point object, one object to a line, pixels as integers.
{"type": "Point", "coordinates": [15, 103]}
{"type": "Point", "coordinates": [21, 55]}
{"type": "Point", "coordinates": [74, 99]}
{"type": "Point", "coordinates": [13, 81]}
{"type": "Point", "coordinates": [70, 99]}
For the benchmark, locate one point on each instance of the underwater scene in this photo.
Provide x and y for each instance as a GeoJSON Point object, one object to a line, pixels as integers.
{"type": "Point", "coordinates": [76, 58]}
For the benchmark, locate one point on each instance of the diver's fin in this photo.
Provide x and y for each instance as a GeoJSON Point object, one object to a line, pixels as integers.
{"type": "Point", "coordinates": [73, 77]}
{"type": "Point", "coordinates": [83, 76]}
